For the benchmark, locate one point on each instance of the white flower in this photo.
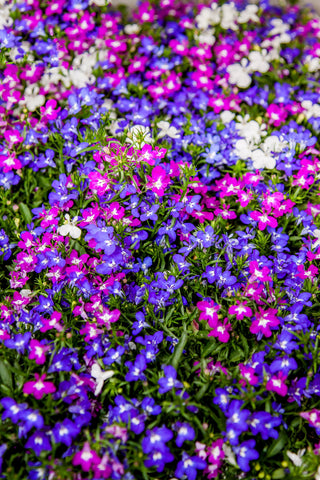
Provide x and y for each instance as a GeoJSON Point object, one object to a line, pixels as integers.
{"type": "Point", "coordinates": [278, 27]}
{"type": "Point", "coordinates": [208, 16]}
{"type": "Point", "coordinates": [296, 458]}
{"type": "Point", "coordinates": [274, 144]}
{"type": "Point", "coordinates": [229, 455]}
{"type": "Point", "coordinates": [139, 134]}
{"type": "Point", "coordinates": [258, 62]}
{"type": "Point", "coordinates": [131, 29]}
{"type": "Point", "coordinates": [262, 160]}
{"type": "Point", "coordinates": [250, 129]}
{"type": "Point", "coordinates": [316, 233]}
{"type": "Point", "coordinates": [243, 149]}
{"type": "Point", "coordinates": [229, 15]}
{"type": "Point", "coordinates": [100, 376]}
{"type": "Point", "coordinates": [207, 37]}
{"type": "Point", "coordinates": [249, 13]}
{"type": "Point", "coordinates": [69, 228]}
{"type": "Point", "coordinates": [226, 116]}
{"type": "Point", "coordinates": [168, 130]}
{"type": "Point", "coordinates": [238, 75]}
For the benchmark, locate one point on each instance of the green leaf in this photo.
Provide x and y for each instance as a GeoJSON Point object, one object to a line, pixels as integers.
{"type": "Point", "coordinates": [25, 211]}
{"type": "Point", "coordinates": [279, 473]}
{"type": "Point", "coordinates": [5, 374]}
{"type": "Point", "coordinates": [277, 445]}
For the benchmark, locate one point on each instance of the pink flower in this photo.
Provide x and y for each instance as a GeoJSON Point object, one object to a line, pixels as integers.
{"type": "Point", "coordinates": [313, 417]}
{"type": "Point", "coordinates": [49, 111]}
{"type": "Point", "coordinates": [263, 220]}
{"type": "Point", "coordinates": [87, 458]}
{"type": "Point", "coordinates": [244, 197]}
{"type": "Point", "coordinates": [39, 387]}
{"type": "Point", "coordinates": [91, 331]}
{"type": "Point", "coordinates": [277, 114]}
{"type": "Point", "coordinates": [53, 322]}
{"type": "Point", "coordinates": [221, 330]}
{"type": "Point", "coordinates": [265, 320]}
{"type": "Point", "coordinates": [209, 311]}
{"type": "Point", "coordinates": [107, 316]}
{"type": "Point", "coordinates": [240, 310]}
{"type": "Point", "coordinates": [158, 181]}
{"type": "Point", "coordinates": [215, 452]}
{"type": "Point", "coordinates": [98, 183]}
{"type": "Point", "coordinates": [248, 375]}
{"type": "Point", "coordinates": [13, 136]}
{"type": "Point", "coordinates": [38, 351]}
{"type": "Point", "coordinates": [137, 64]}
{"type": "Point", "coordinates": [225, 212]}
{"type": "Point", "coordinates": [277, 384]}
{"type": "Point", "coordinates": [258, 274]}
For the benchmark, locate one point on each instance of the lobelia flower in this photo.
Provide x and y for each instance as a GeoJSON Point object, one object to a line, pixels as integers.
{"type": "Point", "coordinates": [277, 384]}
{"type": "Point", "coordinates": [245, 453]}
{"type": "Point", "coordinates": [86, 458]}
{"type": "Point", "coordinates": [240, 310]}
{"type": "Point", "coordinates": [188, 466]}
{"type": "Point", "coordinates": [39, 442]}
{"type": "Point", "coordinates": [170, 380]}
{"type": "Point", "coordinates": [39, 387]}
{"type": "Point", "coordinates": [100, 377]}
{"type": "Point", "coordinates": [221, 330]}
{"type": "Point", "coordinates": [158, 181]}
{"type": "Point", "coordinates": [184, 432]}
{"type": "Point", "coordinates": [65, 432]}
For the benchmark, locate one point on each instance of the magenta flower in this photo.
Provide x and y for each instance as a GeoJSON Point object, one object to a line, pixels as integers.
{"type": "Point", "coordinates": [13, 136]}
{"type": "Point", "coordinates": [221, 330]}
{"type": "Point", "coordinates": [38, 351]}
{"type": "Point", "coordinates": [53, 322]}
{"type": "Point", "coordinates": [39, 387]}
{"type": "Point", "coordinates": [209, 311]}
{"type": "Point", "coordinates": [240, 310]}
{"type": "Point", "coordinates": [87, 458]}
{"type": "Point", "coordinates": [264, 220]}
{"type": "Point", "coordinates": [258, 274]}
{"type": "Point", "coordinates": [277, 384]}
{"type": "Point", "coordinates": [265, 320]}
{"type": "Point", "coordinates": [158, 181]}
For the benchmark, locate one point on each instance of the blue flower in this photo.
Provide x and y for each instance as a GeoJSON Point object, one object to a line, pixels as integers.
{"type": "Point", "coordinates": [159, 457]}
{"type": "Point", "coordinates": [169, 381]}
{"type": "Point", "coordinates": [245, 453]}
{"type": "Point", "coordinates": [136, 369]}
{"type": "Point", "coordinates": [264, 423]}
{"type": "Point", "coordinates": [188, 466]}
{"type": "Point", "coordinates": [19, 342]}
{"type": "Point", "coordinates": [65, 432]}
{"type": "Point", "coordinates": [39, 442]}
{"type": "Point", "coordinates": [184, 432]}
{"type": "Point", "coordinates": [12, 409]}
{"type": "Point", "coordinates": [156, 439]}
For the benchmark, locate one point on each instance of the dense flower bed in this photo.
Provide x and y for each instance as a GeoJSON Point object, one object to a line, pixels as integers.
{"type": "Point", "coordinates": [159, 177]}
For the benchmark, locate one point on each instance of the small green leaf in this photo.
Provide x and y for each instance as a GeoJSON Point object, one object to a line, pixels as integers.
{"type": "Point", "coordinates": [5, 374]}
{"type": "Point", "coordinates": [25, 211]}
{"type": "Point", "coordinates": [279, 473]}
{"type": "Point", "coordinates": [277, 445]}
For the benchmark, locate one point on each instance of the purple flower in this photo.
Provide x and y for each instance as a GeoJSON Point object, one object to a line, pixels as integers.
{"type": "Point", "coordinates": [19, 342]}
{"type": "Point", "coordinates": [264, 423]}
{"type": "Point", "coordinates": [169, 381]}
{"type": "Point", "coordinates": [158, 458]}
{"type": "Point", "coordinates": [155, 439]}
{"type": "Point", "coordinates": [136, 369]}
{"type": "Point", "coordinates": [149, 213]}
{"type": "Point", "coordinates": [245, 453]}
{"type": "Point", "coordinates": [188, 466]}
{"type": "Point", "coordinates": [181, 262]}
{"type": "Point", "coordinates": [12, 409]}
{"type": "Point", "coordinates": [38, 442]}
{"type": "Point", "coordinates": [65, 432]}
{"type": "Point", "coordinates": [185, 432]}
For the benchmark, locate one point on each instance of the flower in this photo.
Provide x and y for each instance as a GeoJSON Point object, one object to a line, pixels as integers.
{"type": "Point", "coordinates": [86, 458]}
{"type": "Point", "coordinates": [245, 453]}
{"type": "Point", "coordinates": [39, 387]}
{"type": "Point", "coordinates": [170, 379]}
{"type": "Point", "coordinates": [189, 465]}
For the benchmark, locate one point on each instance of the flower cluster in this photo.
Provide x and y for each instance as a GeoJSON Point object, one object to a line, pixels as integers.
{"type": "Point", "coordinates": [159, 240]}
